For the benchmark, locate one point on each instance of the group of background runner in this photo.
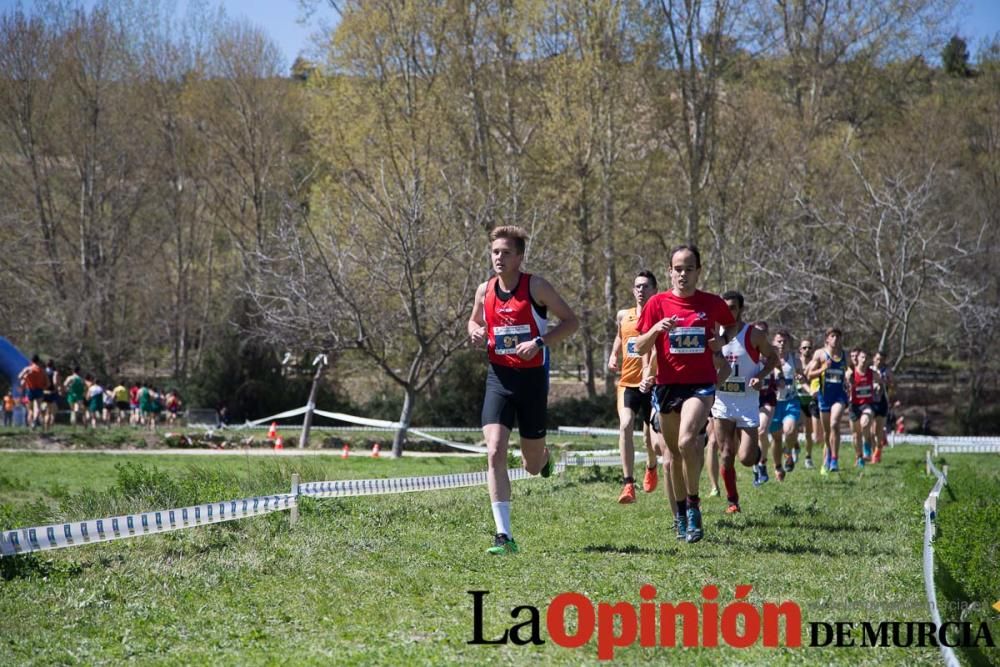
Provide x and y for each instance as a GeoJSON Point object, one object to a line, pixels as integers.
{"type": "Point", "coordinates": [764, 395]}
{"type": "Point", "coordinates": [689, 365]}
{"type": "Point", "coordinates": [90, 403]}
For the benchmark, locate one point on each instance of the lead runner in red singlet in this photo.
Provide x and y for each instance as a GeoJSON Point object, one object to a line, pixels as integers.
{"type": "Point", "coordinates": [510, 316]}
{"type": "Point", "coordinates": [682, 323]}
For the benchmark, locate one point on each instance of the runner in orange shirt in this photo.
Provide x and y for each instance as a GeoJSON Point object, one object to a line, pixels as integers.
{"type": "Point", "coordinates": [35, 381]}
{"type": "Point", "coordinates": [632, 401]}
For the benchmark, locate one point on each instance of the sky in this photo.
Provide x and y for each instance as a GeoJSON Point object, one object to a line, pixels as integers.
{"type": "Point", "coordinates": [287, 23]}
{"type": "Point", "coordinates": [283, 19]}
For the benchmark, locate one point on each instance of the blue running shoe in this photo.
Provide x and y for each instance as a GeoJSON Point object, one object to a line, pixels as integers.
{"type": "Point", "coordinates": [694, 532]}
{"type": "Point", "coordinates": [764, 479]}
{"type": "Point", "coordinates": [756, 474]}
{"type": "Point", "coordinates": [860, 462]}
{"type": "Point", "coordinates": [833, 466]}
{"type": "Point", "coordinates": [681, 526]}
{"type": "Point", "coordinates": [866, 450]}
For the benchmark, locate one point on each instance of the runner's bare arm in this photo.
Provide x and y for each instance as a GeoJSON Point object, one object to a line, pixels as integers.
{"type": "Point", "coordinates": [648, 376]}
{"type": "Point", "coordinates": [759, 340]}
{"type": "Point", "coordinates": [816, 366]}
{"type": "Point", "coordinates": [546, 294]}
{"type": "Point", "coordinates": [477, 322]}
{"type": "Point", "coordinates": [616, 346]}
{"type": "Point", "coordinates": [644, 343]}
{"type": "Point", "coordinates": [722, 369]}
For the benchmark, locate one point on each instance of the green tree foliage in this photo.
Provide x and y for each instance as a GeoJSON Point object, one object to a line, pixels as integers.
{"type": "Point", "coordinates": [955, 57]}
{"type": "Point", "coordinates": [178, 192]}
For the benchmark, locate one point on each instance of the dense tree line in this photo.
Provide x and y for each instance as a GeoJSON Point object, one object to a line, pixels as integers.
{"type": "Point", "coordinates": [174, 194]}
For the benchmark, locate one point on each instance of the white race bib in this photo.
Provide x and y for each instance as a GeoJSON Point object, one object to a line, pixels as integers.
{"type": "Point", "coordinates": [834, 376]}
{"type": "Point", "coordinates": [506, 339]}
{"type": "Point", "coordinates": [687, 340]}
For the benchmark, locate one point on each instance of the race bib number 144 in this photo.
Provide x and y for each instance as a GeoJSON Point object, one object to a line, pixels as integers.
{"type": "Point", "coordinates": [687, 340]}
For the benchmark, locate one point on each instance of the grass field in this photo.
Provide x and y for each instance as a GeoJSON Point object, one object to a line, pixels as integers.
{"type": "Point", "coordinates": [384, 580]}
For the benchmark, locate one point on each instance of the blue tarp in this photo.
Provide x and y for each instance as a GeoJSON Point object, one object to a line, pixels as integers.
{"type": "Point", "coordinates": [12, 362]}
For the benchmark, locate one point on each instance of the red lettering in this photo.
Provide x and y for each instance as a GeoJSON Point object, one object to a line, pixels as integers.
{"type": "Point", "coordinates": [710, 617]}
{"type": "Point", "coordinates": [555, 620]}
{"type": "Point", "coordinates": [793, 623]}
{"type": "Point", "coordinates": [607, 640]}
{"type": "Point", "coordinates": [668, 628]}
{"type": "Point", "coordinates": [751, 621]}
{"type": "Point", "coordinates": [647, 618]}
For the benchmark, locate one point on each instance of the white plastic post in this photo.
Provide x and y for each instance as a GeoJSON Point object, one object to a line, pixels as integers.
{"type": "Point", "coordinates": [293, 518]}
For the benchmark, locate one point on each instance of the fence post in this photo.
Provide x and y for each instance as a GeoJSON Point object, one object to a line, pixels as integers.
{"type": "Point", "coordinates": [293, 518]}
{"type": "Point", "coordinates": [927, 463]}
{"type": "Point", "coordinates": [944, 471]}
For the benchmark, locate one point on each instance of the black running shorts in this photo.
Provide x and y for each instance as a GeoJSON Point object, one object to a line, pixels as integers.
{"type": "Point", "coordinates": [639, 403]}
{"type": "Point", "coordinates": [855, 410]}
{"type": "Point", "coordinates": [517, 395]}
{"type": "Point", "coordinates": [881, 407]}
{"type": "Point", "coordinates": [670, 397]}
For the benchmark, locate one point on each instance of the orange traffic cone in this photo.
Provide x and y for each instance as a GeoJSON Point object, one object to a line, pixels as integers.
{"type": "Point", "coordinates": [344, 451]}
{"type": "Point", "coordinates": [273, 432]}
{"type": "Point", "coordinates": [376, 448]}
{"type": "Point", "coordinates": [279, 444]}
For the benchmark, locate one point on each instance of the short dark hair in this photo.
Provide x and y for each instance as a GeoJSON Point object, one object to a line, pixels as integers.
{"type": "Point", "coordinates": [834, 330]}
{"type": "Point", "coordinates": [733, 295]}
{"type": "Point", "coordinates": [646, 273]}
{"type": "Point", "coordinates": [35, 359]}
{"type": "Point", "coordinates": [784, 333]}
{"type": "Point", "coordinates": [690, 247]}
{"type": "Point", "coordinates": [516, 234]}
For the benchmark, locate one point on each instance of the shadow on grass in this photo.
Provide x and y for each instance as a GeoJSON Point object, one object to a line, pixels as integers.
{"type": "Point", "coordinates": [951, 590]}
{"type": "Point", "coordinates": [627, 549]}
{"type": "Point", "coordinates": [30, 566]}
{"type": "Point", "coordinates": [798, 548]}
{"type": "Point", "coordinates": [24, 567]}
{"type": "Point", "coordinates": [821, 526]}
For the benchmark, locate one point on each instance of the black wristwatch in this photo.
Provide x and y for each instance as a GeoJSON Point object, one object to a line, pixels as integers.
{"type": "Point", "coordinates": [539, 342]}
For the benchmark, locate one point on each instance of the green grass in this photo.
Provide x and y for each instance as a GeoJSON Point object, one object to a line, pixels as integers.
{"type": "Point", "coordinates": [967, 547]}
{"type": "Point", "coordinates": [384, 580]}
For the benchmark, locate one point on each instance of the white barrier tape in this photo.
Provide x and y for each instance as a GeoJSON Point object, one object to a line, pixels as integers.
{"type": "Point", "coordinates": [478, 449]}
{"type": "Point", "coordinates": [948, 439]}
{"type": "Point", "coordinates": [578, 460]}
{"type": "Point", "coordinates": [956, 448]}
{"type": "Point", "coordinates": [588, 430]}
{"type": "Point", "coordinates": [930, 517]}
{"type": "Point", "coordinates": [375, 487]}
{"type": "Point", "coordinates": [363, 421]}
{"type": "Point", "coordinates": [61, 535]}
{"type": "Point", "coordinates": [280, 415]}
{"type": "Point", "coordinates": [599, 452]}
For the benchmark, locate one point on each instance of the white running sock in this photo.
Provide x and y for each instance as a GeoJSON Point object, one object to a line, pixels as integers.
{"type": "Point", "coordinates": [501, 516]}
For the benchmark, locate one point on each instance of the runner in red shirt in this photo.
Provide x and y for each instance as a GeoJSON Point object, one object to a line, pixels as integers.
{"type": "Point", "coordinates": [510, 317]}
{"type": "Point", "coordinates": [682, 324]}
{"type": "Point", "coordinates": [863, 383]}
